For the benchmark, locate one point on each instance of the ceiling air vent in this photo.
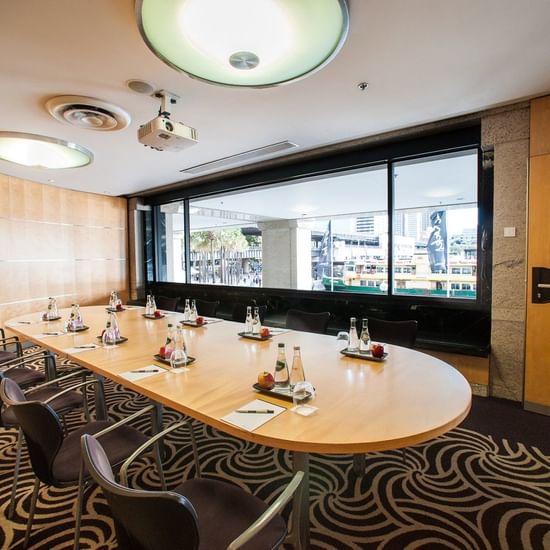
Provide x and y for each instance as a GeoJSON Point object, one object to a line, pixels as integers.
{"type": "Point", "coordinates": [88, 112]}
{"type": "Point", "coordinates": [240, 158]}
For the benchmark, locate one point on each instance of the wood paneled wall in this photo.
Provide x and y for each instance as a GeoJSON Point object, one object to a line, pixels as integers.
{"type": "Point", "coordinates": [537, 347]}
{"type": "Point", "coordinates": [57, 242]}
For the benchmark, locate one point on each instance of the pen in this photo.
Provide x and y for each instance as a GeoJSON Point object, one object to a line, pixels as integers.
{"type": "Point", "coordinates": [145, 370]}
{"type": "Point", "coordinates": [263, 411]}
{"type": "Point", "coordinates": [53, 333]}
{"type": "Point", "coordinates": [90, 346]}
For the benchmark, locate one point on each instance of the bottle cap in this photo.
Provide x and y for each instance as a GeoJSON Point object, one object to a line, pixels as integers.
{"type": "Point", "coordinates": [296, 348]}
{"type": "Point", "coordinates": [281, 344]}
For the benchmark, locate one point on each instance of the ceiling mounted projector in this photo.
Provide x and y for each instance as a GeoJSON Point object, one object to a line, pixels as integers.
{"type": "Point", "coordinates": [163, 134]}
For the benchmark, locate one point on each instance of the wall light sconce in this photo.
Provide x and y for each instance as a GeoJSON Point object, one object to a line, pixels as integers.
{"type": "Point", "coordinates": [248, 43]}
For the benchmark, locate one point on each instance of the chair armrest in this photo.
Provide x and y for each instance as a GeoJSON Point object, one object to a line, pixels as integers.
{"type": "Point", "coordinates": [124, 420]}
{"type": "Point", "coordinates": [55, 381]}
{"type": "Point", "coordinates": [127, 463]}
{"type": "Point", "coordinates": [18, 361]}
{"type": "Point", "coordinates": [269, 514]}
{"type": "Point", "coordinates": [69, 389]}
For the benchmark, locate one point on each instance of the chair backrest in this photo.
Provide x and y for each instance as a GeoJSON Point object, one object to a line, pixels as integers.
{"type": "Point", "coordinates": [401, 333]}
{"type": "Point", "coordinates": [239, 312]}
{"type": "Point", "coordinates": [144, 520]}
{"type": "Point", "coordinates": [167, 303]}
{"type": "Point", "coordinates": [306, 321]}
{"type": "Point", "coordinates": [206, 308]}
{"type": "Point", "coordinates": [41, 427]}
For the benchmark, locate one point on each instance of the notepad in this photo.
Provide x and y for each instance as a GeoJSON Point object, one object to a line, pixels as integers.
{"type": "Point", "coordinates": [149, 370]}
{"type": "Point", "coordinates": [49, 334]}
{"type": "Point", "coordinates": [80, 349]}
{"type": "Point", "coordinates": [251, 422]}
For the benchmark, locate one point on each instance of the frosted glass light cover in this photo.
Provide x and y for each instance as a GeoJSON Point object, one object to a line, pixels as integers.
{"type": "Point", "coordinates": [254, 43]}
{"type": "Point", "coordinates": [42, 151]}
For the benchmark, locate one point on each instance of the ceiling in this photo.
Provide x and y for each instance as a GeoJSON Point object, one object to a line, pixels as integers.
{"type": "Point", "coordinates": [424, 61]}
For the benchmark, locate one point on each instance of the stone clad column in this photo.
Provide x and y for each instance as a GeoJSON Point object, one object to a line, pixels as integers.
{"type": "Point", "coordinates": [286, 255]}
{"type": "Point", "coordinates": [508, 132]}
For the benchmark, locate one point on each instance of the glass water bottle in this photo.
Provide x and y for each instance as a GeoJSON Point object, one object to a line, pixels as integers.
{"type": "Point", "coordinates": [256, 323]}
{"type": "Point", "coordinates": [193, 312]}
{"type": "Point", "coordinates": [281, 369]}
{"type": "Point", "coordinates": [169, 345]}
{"type": "Point", "coordinates": [248, 320]}
{"type": "Point", "coordinates": [187, 310]}
{"type": "Point", "coordinates": [178, 357]}
{"type": "Point", "coordinates": [364, 340]}
{"type": "Point", "coordinates": [53, 312]}
{"type": "Point", "coordinates": [353, 343]}
{"type": "Point", "coordinates": [297, 371]}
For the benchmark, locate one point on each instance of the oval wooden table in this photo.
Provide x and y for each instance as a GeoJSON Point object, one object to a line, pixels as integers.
{"type": "Point", "coordinates": [363, 406]}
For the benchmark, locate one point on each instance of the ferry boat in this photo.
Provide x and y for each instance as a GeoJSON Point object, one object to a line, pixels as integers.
{"type": "Point", "coordinates": [412, 277]}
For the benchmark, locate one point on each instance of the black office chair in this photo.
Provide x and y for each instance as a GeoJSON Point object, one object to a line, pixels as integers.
{"type": "Point", "coordinates": [167, 303]}
{"type": "Point", "coordinates": [400, 333]}
{"type": "Point", "coordinates": [56, 458]}
{"type": "Point", "coordinates": [198, 514]}
{"type": "Point", "coordinates": [61, 401]}
{"type": "Point", "coordinates": [23, 371]}
{"type": "Point", "coordinates": [10, 347]}
{"type": "Point", "coordinates": [306, 321]}
{"type": "Point", "coordinates": [206, 308]}
{"type": "Point", "coordinates": [239, 312]}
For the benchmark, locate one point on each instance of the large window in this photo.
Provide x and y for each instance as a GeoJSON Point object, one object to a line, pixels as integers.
{"type": "Point", "coordinates": [330, 232]}
{"type": "Point", "coordinates": [171, 243]}
{"type": "Point", "coordinates": [325, 233]}
{"type": "Point", "coordinates": [435, 226]}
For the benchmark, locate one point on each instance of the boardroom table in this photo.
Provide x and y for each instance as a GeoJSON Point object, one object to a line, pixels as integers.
{"type": "Point", "coordinates": [362, 405]}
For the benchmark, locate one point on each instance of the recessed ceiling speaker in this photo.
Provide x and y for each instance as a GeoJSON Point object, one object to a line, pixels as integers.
{"type": "Point", "coordinates": [140, 86]}
{"type": "Point", "coordinates": [88, 112]}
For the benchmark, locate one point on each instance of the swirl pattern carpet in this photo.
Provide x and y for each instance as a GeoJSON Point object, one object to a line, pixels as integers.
{"type": "Point", "coordinates": [465, 490]}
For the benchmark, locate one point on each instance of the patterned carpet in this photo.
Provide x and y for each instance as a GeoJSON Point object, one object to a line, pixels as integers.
{"type": "Point", "coordinates": [465, 490]}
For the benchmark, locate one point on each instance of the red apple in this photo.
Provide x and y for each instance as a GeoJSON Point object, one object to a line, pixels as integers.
{"type": "Point", "coordinates": [377, 350]}
{"type": "Point", "coordinates": [158, 313]}
{"type": "Point", "coordinates": [162, 351]}
{"type": "Point", "coordinates": [119, 307]}
{"type": "Point", "coordinates": [264, 332]}
{"type": "Point", "coordinates": [266, 380]}
{"type": "Point", "coordinates": [200, 320]}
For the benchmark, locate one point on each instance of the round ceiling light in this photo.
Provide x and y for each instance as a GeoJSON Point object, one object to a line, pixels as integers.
{"type": "Point", "coordinates": [255, 43]}
{"type": "Point", "coordinates": [42, 151]}
{"type": "Point", "coordinates": [88, 112]}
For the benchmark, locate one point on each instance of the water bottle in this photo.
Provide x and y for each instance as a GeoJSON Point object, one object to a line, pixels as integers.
{"type": "Point", "coordinates": [256, 323]}
{"type": "Point", "coordinates": [193, 312]}
{"type": "Point", "coordinates": [353, 342]}
{"type": "Point", "coordinates": [248, 321]}
{"type": "Point", "coordinates": [148, 308]}
{"type": "Point", "coordinates": [187, 310]}
{"type": "Point", "coordinates": [297, 371]}
{"type": "Point", "coordinates": [281, 369]}
{"type": "Point", "coordinates": [169, 345]}
{"type": "Point", "coordinates": [178, 357]}
{"type": "Point", "coordinates": [364, 339]}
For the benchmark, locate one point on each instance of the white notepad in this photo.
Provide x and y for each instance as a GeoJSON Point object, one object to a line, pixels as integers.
{"type": "Point", "coordinates": [80, 349]}
{"type": "Point", "coordinates": [50, 334]}
{"type": "Point", "coordinates": [149, 370]}
{"type": "Point", "coordinates": [252, 421]}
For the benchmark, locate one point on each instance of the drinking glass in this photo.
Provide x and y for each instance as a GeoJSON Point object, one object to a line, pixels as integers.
{"type": "Point", "coordinates": [178, 359]}
{"type": "Point", "coordinates": [302, 393]}
{"type": "Point", "coordinates": [109, 337]}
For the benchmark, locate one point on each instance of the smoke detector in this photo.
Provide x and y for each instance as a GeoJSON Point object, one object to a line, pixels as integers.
{"type": "Point", "coordinates": [88, 112]}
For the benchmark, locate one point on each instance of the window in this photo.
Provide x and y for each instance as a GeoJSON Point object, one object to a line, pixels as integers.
{"type": "Point", "coordinates": [327, 233]}
{"type": "Point", "coordinates": [435, 225]}
{"type": "Point", "coordinates": [171, 243]}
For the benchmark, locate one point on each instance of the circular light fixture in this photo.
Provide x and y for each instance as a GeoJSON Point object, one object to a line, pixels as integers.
{"type": "Point", "coordinates": [42, 151]}
{"type": "Point", "coordinates": [253, 43]}
{"type": "Point", "coordinates": [140, 86]}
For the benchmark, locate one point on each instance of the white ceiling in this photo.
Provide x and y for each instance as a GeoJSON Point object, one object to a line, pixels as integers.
{"type": "Point", "coordinates": [424, 60]}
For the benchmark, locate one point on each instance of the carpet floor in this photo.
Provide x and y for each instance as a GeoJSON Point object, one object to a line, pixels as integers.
{"type": "Point", "coordinates": [483, 485]}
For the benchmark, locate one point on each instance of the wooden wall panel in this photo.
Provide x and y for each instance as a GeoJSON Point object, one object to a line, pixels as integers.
{"type": "Point", "coordinates": [537, 348]}
{"type": "Point", "coordinates": [58, 242]}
